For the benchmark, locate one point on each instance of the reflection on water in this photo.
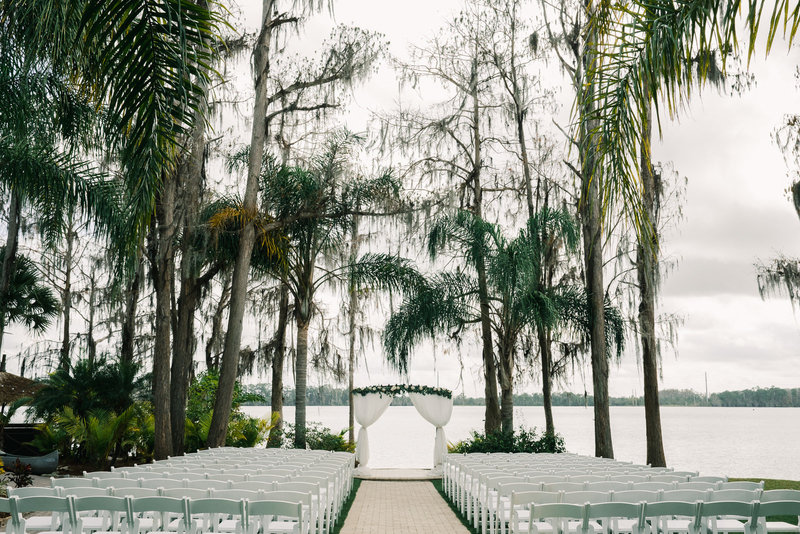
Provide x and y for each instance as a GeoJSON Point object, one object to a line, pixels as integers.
{"type": "Point", "coordinates": [742, 442]}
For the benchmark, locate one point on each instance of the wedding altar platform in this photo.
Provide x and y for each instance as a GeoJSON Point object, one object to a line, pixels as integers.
{"type": "Point", "coordinates": [435, 405]}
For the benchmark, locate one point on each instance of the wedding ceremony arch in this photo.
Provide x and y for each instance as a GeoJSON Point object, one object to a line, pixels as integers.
{"type": "Point", "coordinates": [435, 405]}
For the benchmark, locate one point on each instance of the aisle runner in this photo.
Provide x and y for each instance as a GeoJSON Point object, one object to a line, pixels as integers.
{"type": "Point", "coordinates": [400, 508]}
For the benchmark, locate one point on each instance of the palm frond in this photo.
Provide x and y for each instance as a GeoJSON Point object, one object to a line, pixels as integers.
{"type": "Point", "coordinates": [436, 307]}
{"type": "Point", "coordinates": [385, 272]}
{"type": "Point", "coordinates": [644, 54]}
{"type": "Point", "coordinates": [143, 59]}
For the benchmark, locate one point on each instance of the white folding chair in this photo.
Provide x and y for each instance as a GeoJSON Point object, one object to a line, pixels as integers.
{"type": "Point", "coordinates": [275, 517]}
{"type": "Point", "coordinates": [778, 508]}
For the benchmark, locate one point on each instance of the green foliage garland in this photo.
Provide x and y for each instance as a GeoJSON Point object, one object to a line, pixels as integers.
{"type": "Point", "coordinates": [397, 389]}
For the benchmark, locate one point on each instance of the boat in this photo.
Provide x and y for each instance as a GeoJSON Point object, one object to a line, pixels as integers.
{"type": "Point", "coordinates": [40, 465]}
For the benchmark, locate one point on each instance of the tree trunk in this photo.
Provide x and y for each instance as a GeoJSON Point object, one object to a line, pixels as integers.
{"type": "Point", "coordinates": [546, 356]}
{"type": "Point", "coordinates": [647, 271]}
{"type": "Point", "coordinates": [183, 352]}
{"type": "Point", "coordinates": [241, 269]}
{"type": "Point", "coordinates": [215, 339]}
{"type": "Point", "coordinates": [507, 408]}
{"type": "Point", "coordinates": [191, 173]}
{"type": "Point", "coordinates": [492, 420]}
{"type": "Point", "coordinates": [278, 357]}
{"type": "Point", "coordinates": [91, 343]}
{"type": "Point", "coordinates": [351, 335]}
{"type": "Point", "coordinates": [591, 221]}
{"type": "Point", "coordinates": [129, 323]}
{"type": "Point", "coordinates": [162, 258]}
{"type": "Point", "coordinates": [301, 369]}
{"type": "Point", "coordinates": [66, 297]}
{"type": "Point", "coordinates": [523, 149]}
{"type": "Point", "coordinates": [9, 259]}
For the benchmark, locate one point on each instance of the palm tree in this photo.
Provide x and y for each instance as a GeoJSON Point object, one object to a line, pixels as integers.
{"type": "Point", "coordinates": [27, 301]}
{"type": "Point", "coordinates": [781, 275]}
{"type": "Point", "coordinates": [448, 301]}
{"type": "Point", "coordinates": [649, 48]}
{"type": "Point", "coordinates": [142, 59]}
{"type": "Point", "coordinates": [644, 49]}
{"type": "Point", "coordinates": [146, 62]}
{"type": "Point", "coordinates": [304, 219]}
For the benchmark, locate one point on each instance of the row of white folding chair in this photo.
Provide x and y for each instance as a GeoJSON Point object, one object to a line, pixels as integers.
{"type": "Point", "coordinates": [231, 477]}
{"type": "Point", "coordinates": [264, 492]}
{"type": "Point", "coordinates": [499, 507]}
{"type": "Point", "coordinates": [332, 482]}
{"type": "Point", "coordinates": [456, 466]}
{"type": "Point", "coordinates": [650, 518]}
{"type": "Point", "coordinates": [477, 487]}
{"type": "Point", "coordinates": [249, 517]}
{"type": "Point", "coordinates": [482, 489]}
{"type": "Point", "coordinates": [206, 472]}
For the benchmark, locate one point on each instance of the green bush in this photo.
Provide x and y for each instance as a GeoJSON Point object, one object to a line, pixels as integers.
{"type": "Point", "coordinates": [319, 437]}
{"type": "Point", "coordinates": [522, 440]}
{"type": "Point", "coordinates": [243, 431]}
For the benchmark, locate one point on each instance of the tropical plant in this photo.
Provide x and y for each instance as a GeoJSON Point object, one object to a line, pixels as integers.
{"type": "Point", "coordinates": [89, 386]}
{"type": "Point", "coordinates": [243, 431]}
{"type": "Point", "coordinates": [28, 301]}
{"type": "Point", "coordinates": [17, 473]}
{"type": "Point", "coordinates": [99, 437]}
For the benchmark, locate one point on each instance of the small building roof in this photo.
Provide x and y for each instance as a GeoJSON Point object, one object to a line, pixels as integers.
{"type": "Point", "coordinates": [14, 387]}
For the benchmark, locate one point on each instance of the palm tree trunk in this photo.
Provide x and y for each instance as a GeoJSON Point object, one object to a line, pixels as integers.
{"type": "Point", "coordinates": [66, 296]}
{"type": "Point", "coordinates": [546, 356]}
{"type": "Point", "coordinates": [351, 335]}
{"type": "Point", "coordinates": [647, 271]}
{"type": "Point", "coordinates": [8, 259]}
{"type": "Point", "coordinates": [241, 269]}
{"type": "Point", "coordinates": [301, 367]}
{"type": "Point", "coordinates": [278, 357]}
{"type": "Point", "coordinates": [162, 264]}
{"type": "Point", "coordinates": [593, 248]}
{"type": "Point", "coordinates": [506, 379]}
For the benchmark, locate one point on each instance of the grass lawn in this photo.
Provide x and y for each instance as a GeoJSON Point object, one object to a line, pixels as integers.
{"type": "Point", "coordinates": [346, 507]}
{"type": "Point", "coordinates": [438, 485]}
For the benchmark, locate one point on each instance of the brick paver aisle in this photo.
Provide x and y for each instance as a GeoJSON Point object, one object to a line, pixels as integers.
{"type": "Point", "coordinates": [382, 507]}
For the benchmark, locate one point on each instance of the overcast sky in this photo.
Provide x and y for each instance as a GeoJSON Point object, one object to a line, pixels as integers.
{"type": "Point", "coordinates": [736, 212]}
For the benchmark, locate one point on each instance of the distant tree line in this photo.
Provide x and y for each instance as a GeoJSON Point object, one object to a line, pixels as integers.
{"type": "Point", "coordinates": [748, 398]}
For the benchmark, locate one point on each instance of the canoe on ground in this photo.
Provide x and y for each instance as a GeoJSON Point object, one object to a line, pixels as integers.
{"type": "Point", "coordinates": [40, 465]}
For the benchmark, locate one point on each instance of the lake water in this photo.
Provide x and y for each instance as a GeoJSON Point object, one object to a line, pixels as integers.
{"type": "Point", "coordinates": [737, 442]}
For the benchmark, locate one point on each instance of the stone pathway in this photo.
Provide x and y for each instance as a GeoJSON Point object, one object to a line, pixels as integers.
{"type": "Point", "coordinates": [382, 507]}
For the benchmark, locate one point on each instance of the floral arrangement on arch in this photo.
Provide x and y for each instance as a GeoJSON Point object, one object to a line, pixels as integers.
{"type": "Point", "coordinates": [397, 389]}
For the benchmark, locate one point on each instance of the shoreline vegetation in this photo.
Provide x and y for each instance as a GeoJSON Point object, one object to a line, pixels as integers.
{"type": "Point", "coordinates": [771, 397]}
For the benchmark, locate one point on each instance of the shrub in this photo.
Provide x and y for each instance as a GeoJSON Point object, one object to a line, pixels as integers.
{"type": "Point", "coordinates": [522, 440]}
{"type": "Point", "coordinates": [319, 437]}
{"type": "Point", "coordinates": [243, 431]}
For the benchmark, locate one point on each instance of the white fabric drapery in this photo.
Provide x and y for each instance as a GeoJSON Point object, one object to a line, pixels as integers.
{"type": "Point", "coordinates": [436, 410]}
{"type": "Point", "coordinates": [367, 409]}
